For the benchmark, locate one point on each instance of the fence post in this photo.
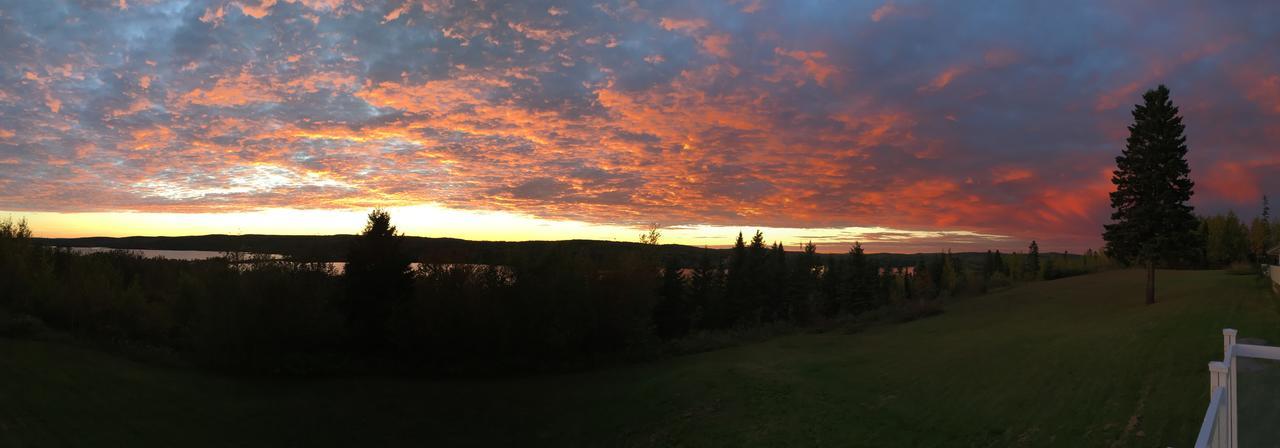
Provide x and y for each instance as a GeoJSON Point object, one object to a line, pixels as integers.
{"type": "Point", "coordinates": [1229, 357]}
{"type": "Point", "coordinates": [1228, 340]}
{"type": "Point", "coordinates": [1217, 379]}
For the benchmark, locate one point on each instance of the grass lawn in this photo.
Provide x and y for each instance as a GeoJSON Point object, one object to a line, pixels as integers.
{"type": "Point", "coordinates": [1072, 362]}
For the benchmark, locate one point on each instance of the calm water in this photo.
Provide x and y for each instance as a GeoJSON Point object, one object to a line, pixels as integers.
{"type": "Point", "coordinates": [341, 266]}
{"type": "Point", "coordinates": [337, 266]}
{"type": "Point", "coordinates": [170, 254]}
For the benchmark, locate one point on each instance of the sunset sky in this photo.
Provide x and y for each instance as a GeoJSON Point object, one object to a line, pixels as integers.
{"type": "Point", "coordinates": [911, 126]}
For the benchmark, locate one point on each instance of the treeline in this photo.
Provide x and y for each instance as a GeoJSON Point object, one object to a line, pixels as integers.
{"type": "Point", "coordinates": [553, 307]}
{"type": "Point", "coordinates": [759, 284]}
{"type": "Point", "coordinates": [1227, 239]}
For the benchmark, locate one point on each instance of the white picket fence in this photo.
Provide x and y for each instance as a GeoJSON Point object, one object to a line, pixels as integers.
{"type": "Point", "coordinates": [1220, 428]}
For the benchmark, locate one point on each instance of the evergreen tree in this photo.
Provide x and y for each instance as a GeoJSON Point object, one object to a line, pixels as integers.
{"type": "Point", "coordinates": [1033, 261]}
{"type": "Point", "coordinates": [775, 283]}
{"type": "Point", "coordinates": [949, 274]}
{"type": "Point", "coordinates": [756, 277]}
{"type": "Point", "coordinates": [705, 286]}
{"type": "Point", "coordinates": [671, 314]}
{"type": "Point", "coordinates": [988, 269]}
{"type": "Point", "coordinates": [832, 288]}
{"type": "Point", "coordinates": [378, 279]}
{"type": "Point", "coordinates": [1260, 233]}
{"type": "Point", "coordinates": [923, 285]}
{"type": "Point", "coordinates": [860, 280]}
{"type": "Point", "coordinates": [803, 282]}
{"type": "Point", "coordinates": [1152, 222]}
{"type": "Point", "coordinates": [1266, 209]}
{"type": "Point", "coordinates": [1273, 229]}
{"type": "Point", "coordinates": [735, 298]}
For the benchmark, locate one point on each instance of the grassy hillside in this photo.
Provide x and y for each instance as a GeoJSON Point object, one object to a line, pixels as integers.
{"type": "Point", "coordinates": [1071, 362]}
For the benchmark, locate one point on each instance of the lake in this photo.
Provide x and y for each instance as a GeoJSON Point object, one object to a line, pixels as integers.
{"type": "Point", "coordinates": [159, 253]}
{"type": "Point", "coordinates": [191, 255]}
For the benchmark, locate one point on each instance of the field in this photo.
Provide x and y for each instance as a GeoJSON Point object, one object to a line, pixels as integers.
{"type": "Point", "coordinates": [1071, 362]}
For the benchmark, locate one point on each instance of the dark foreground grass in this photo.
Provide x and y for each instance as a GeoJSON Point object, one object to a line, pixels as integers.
{"type": "Point", "coordinates": [1072, 362]}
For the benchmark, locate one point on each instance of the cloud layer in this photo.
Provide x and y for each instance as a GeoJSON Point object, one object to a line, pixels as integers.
{"type": "Point", "coordinates": [999, 119]}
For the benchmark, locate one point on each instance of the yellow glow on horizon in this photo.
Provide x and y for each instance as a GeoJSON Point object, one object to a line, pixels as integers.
{"type": "Point", "coordinates": [437, 221]}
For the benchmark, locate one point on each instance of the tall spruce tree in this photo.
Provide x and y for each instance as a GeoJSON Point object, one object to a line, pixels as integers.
{"type": "Point", "coordinates": [1260, 233]}
{"type": "Point", "coordinates": [1152, 222]}
{"type": "Point", "coordinates": [736, 284]}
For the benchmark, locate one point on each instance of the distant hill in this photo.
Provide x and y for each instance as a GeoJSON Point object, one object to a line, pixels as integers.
{"type": "Point", "coordinates": [334, 247]}
{"type": "Point", "coordinates": [432, 250]}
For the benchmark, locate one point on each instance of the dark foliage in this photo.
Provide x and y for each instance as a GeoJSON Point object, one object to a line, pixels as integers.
{"type": "Point", "coordinates": [546, 307]}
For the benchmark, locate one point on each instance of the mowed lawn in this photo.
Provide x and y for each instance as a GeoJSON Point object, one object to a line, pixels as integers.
{"type": "Point", "coordinates": [1072, 362]}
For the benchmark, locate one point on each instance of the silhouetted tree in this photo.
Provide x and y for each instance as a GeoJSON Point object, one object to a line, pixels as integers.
{"type": "Point", "coordinates": [756, 271]}
{"type": "Point", "coordinates": [1033, 260]}
{"type": "Point", "coordinates": [775, 283]}
{"type": "Point", "coordinates": [1260, 233]}
{"type": "Point", "coordinates": [950, 277]}
{"type": "Point", "coordinates": [706, 285]}
{"type": "Point", "coordinates": [671, 314]}
{"type": "Point", "coordinates": [861, 280]}
{"type": "Point", "coordinates": [378, 279]}
{"type": "Point", "coordinates": [1152, 221]}
{"type": "Point", "coordinates": [735, 302]}
{"type": "Point", "coordinates": [992, 264]}
{"type": "Point", "coordinates": [651, 235]}
{"type": "Point", "coordinates": [922, 285]}
{"type": "Point", "coordinates": [831, 289]}
{"type": "Point", "coordinates": [803, 283]}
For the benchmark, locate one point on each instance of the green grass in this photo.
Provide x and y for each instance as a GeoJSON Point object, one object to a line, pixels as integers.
{"type": "Point", "coordinates": [1071, 362]}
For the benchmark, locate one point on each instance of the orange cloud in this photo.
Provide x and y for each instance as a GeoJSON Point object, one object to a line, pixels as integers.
{"type": "Point", "coordinates": [1005, 174]}
{"type": "Point", "coordinates": [258, 11]}
{"type": "Point", "coordinates": [135, 106]}
{"type": "Point", "coordinates": [54, 104]}
{"type": "Point", "coordinates": [215, 16]}
{"type": "Point", "coordinates": [397, 12]}
{"type": "Point", "coordinates": [883, 11]}
{"type": "Point", "coordinates": [149, 138]}
{"type": "Point", "coordinates": [943, 79]}
{"type": "Point", "coordinates": [717, 45]}
{"type": "Point", "coordinates": [813, 63]}
{"type": "Point", "coordinates": [240, 90]}
{"type": "Point", "coordinates": [1259, 87]}
{"type": "Point", "coordinates": [682, 25]}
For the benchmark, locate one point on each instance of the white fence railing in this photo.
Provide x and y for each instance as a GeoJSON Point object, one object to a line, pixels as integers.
{"type": "Point", "coordinates": [1220, 428]}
